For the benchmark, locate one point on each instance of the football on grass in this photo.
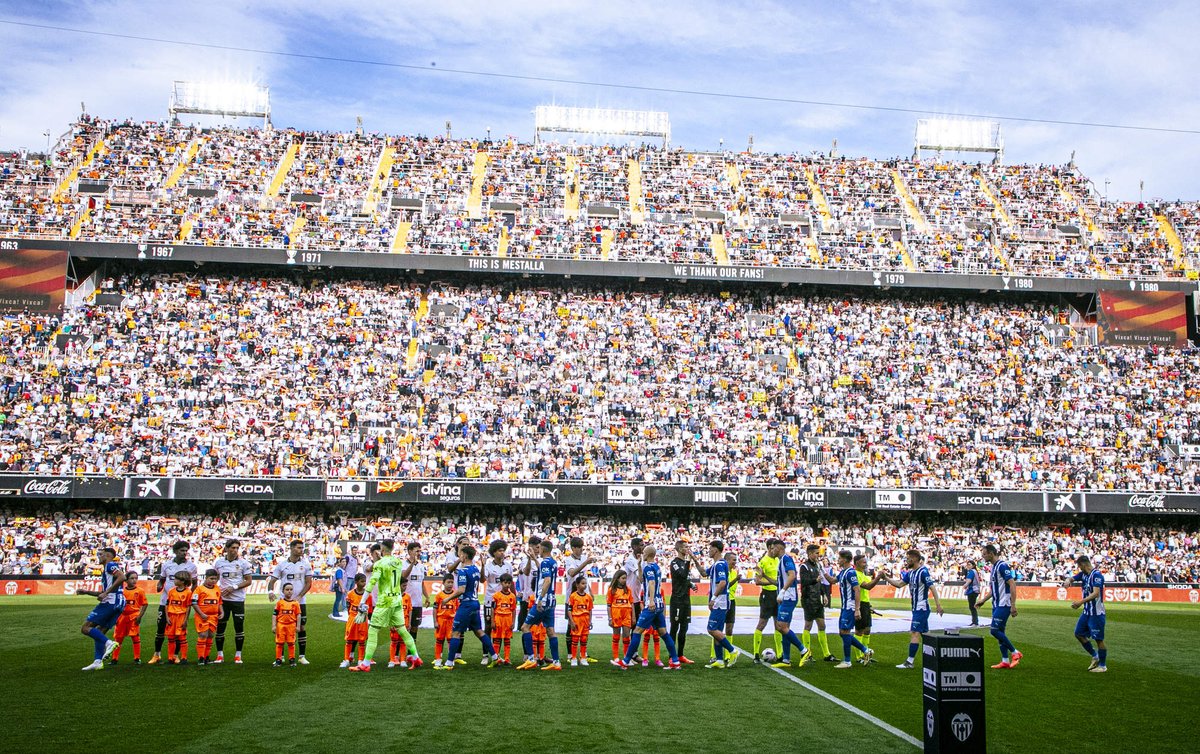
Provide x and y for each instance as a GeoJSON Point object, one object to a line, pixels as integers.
{"type": "Point", "coordinates": [768, 655]}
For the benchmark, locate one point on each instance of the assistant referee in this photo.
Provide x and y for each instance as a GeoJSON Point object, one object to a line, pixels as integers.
{"type": "Point", "coordinates": [766, 575]}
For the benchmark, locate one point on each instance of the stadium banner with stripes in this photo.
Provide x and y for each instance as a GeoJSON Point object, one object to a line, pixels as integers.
{"type": "Point", "coordinates": [152, 255]}
{"type": "Point", "coordinates": [1143, 318]}
{"type": "Point", "coordinates": [623, 494]}
{"type": "Point", "coordinates": [33, 280]}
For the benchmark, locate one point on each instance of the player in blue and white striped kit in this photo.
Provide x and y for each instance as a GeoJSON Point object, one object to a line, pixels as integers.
{"type": "Point", "coordinates": [1091, 623]}
{"type": "Point", "coordinates": [718, 606]}
{"type": "Point", "coordinates": [1002, 591]}
{"type": "Point", "coordinates": [542, 613]}
{"type": "Point", "coordinates": [851, 593]}
{"type": "Point", "coordinates": [103, 617]}
{"type": "Point", "coordinates": [920, 587]}
{"type": "Point", "coordinates": [652, 617]}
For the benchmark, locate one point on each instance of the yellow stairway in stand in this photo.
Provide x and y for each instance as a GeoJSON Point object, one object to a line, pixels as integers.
{"type": "Point", "coordinates": [69, 179]}
{"type": "Point", "coordinates": [1003, 257]}
{"type": "Point", "coordinates": [908, 260]}
{"type": "Point", "coordinates": [185, 159]}
{"type": "Point", "coordinates": [297, 226]}
{"type": "Point", "coordinates": [606, 242]}
{"type": "Point", "coordinates": [817, 195]}
{"type": "Point", "coordinates": [910, 204]}
{"type": "Point", "coordinates": [720, 251]}
{"type": "Point", "coordinates": [83, 219]}
{"type": "Point", "coordinates": [734, 176]}
{"type": "Point", "coordinates": [400, 240]}
{"type": "Point", "coordinates": [998, 208]}
{"type": "Point", "coordinates": [571, 200]}
{"type": "Point", "coordinates": [637, 202]}
{"type": "Point", "coordinates": [475, 198]}
{"type": "Point", "coordinates": [1173, 241]}
{"type": "Point", "coordinates": [502, 247]}
{"type": "Point", "coordinates": [379, 180]}
{"type": "Point", "coordinates": [813, 252]}
{"type": "Point", "coordinates": [410, 359]}
{"type": "Point", "coordinates": [185, 229]}
{"type": "Point", "coordinates": [285, 165]}
{"type": "Point", "coordinates": [1090, 222]}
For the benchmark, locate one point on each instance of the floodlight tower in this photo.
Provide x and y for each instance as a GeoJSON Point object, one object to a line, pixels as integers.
{"type": "Point", "coordinates": [959, 135]}
{"type": "Point", "coordinates": [225, 98]}
{"type": "Point", "coordinates": [595, 121]}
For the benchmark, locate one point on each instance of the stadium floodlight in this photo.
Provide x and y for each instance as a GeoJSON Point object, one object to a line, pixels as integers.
{"type": "Point", "coordinates": [601, 121]}
{"type": "Point", "coordinates": [226, 98]}
{"type": "Point", "coordinates": [959, 135]}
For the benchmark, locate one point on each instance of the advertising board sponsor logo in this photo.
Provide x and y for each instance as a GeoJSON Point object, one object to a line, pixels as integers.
{"type": "Point", "coordinates": [1064, 502]}
{"type": "Point", "coordinates": [893, 499]}
{"type": "Point", "coordinates": [10, 588]}
{"type": "Point", "coordinates": [346, 490]}
{"type": "Point", "coordinates": [626, 494]}
{"type": "Point", "coordinates": [979, 500]}
{"type": "Point", "coordinates": [962, 681]}
{"type": "Point", "coordinates": [959, 652]}
{"type": "Point", "coordinates": [150, 488]}
{"type": "Point", "coordinates": [240, 490]}
{"type": "Point", "coordinates": [929, 677]}
{"type": "Point", "coordinates": [715, 497]}
{"type": "Point", "coordinates": [442, 492]}
{"type": "Point", "coordinates": [534, 494]}
{"type": "Point", "coordinates": [47, 487]}
{"type": "Point", "coordinates": [806, 497]}
{"type": "Point", "coordinates": [1150, 501]}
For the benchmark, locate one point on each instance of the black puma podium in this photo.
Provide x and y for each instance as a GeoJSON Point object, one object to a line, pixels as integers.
{"type": "Point", "coordinates": [952, 676]}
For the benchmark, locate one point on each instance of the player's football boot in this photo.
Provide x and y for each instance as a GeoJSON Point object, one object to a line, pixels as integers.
{"type": "Point", "coordinates": [277, 664]}
{"type": "Point", "coordinates": [867, 656]}
{"type": "Point", "coordinates": [415, 662]}
{"type": "Point", "coordinates": [344, 664]}
{"type": "Point", "coordinates": [1099, 669]}
{"type": "Point", "coordinates": [237, 660]}
{"type": "Point", "coordinates": [620, 663]}
{"type": "Point", "coordinates": [291, 663]}
{"type": "Point", "coordinates": [1015, 660]}
{"type": "Point", "coordinates": [685, 660]}
{"type": "Point", "coordinates": [220, 658]}
{"type": "Point", "coordinates": [731, 658]}
{"type": "Point", "coordinates": [553, 666]}
{"type": "Point", "coordinates": [715, 664]}
{"type": "Point", "coordinates": [673, 665]}
{"type": "Point", "coordinates": [1001, 665]}
{"type": "Point", "coordinates": [156, 659]}
{"type": "Point", "coordinates": [459, 661]}
{"type": "Point", "coordinates": [831, 658]}
{"type": "Point", "coordinates": [591, 660]}
{"type": "Point", "coordinates": [361, 668]}
{"type": "Point", "coordinates": [97, 665]}
{"type": "Point", "coordinates": [527, 665]}
{"type": "Point", "coordinates": [842, 665]}
{"type": "Point", "coordinates": [302, 660]}
{"type": "Point", "coordinates": [906, 665]}
{"type": "Point", "coordinates": [1094, 664]}
{"type": "Point", "coordinates": [781, 664]}
{"type": "Point", "coordinates": [805, 658]}
{"type": "Point", "coordinates": [109, 648]}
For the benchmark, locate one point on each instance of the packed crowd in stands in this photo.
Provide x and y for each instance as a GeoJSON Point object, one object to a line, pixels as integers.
{"type": "Point", "coordinates": [164, 183]}
{"type": "Point", "coordinates": [295, 375]}
{"type": "Point", "coordinates": [49, 542]}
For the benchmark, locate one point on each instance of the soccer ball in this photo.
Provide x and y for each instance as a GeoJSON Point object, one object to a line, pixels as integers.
{"type": "Point", "coordinates": [768, 655]}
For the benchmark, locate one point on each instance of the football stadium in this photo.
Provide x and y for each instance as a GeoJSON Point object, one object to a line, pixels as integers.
{"type": "Point", "coordinates": [590, 436]}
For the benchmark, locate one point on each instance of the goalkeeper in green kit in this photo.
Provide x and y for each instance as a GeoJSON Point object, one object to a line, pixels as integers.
{"type": "Point", "coordinates": [386, 576]}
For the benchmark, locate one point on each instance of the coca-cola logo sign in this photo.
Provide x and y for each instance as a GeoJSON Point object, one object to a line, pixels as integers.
{"type": "Point", "coordinates": [1154, 501]}
{"type": "Point", "coordinates": [47, 487]}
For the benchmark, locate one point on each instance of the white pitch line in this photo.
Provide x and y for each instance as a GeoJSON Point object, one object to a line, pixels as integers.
{"type": "Point", "coordinates": [850, 707]}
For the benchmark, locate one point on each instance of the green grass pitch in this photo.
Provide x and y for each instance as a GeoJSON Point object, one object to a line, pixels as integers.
{"type": "Point", "coordinates": [1146, 702]}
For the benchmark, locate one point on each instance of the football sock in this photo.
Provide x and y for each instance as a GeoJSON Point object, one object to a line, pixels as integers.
{"type": "Point", "coordinates": [616, 645]}
{"type": "Point", "coordinates": [757, 642]}
{"type": "Point", "coordinates": [632, 649]}
{"type": "Point", "coordinates": [1103, 656]}
{"type": "Point", "coordinates": [527, 643]}
{"type": "Point", "coordinates": [823, 640]}
{"type": "Point", "coordinates": [1087, 647]}
{"type": "Point", "coordinates": [554, 648]}
{"type": "Point", "coordinates": [101, 641]}
{"type": "Point", "coordinates": [913, 648]}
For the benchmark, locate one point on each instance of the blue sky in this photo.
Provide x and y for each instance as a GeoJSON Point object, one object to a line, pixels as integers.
{"type": "Point", "coordinates": [1107, 62]}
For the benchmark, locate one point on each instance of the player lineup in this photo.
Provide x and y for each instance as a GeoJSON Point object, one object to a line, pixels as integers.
{"type": "Point", "coordinates": [495, 595]}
